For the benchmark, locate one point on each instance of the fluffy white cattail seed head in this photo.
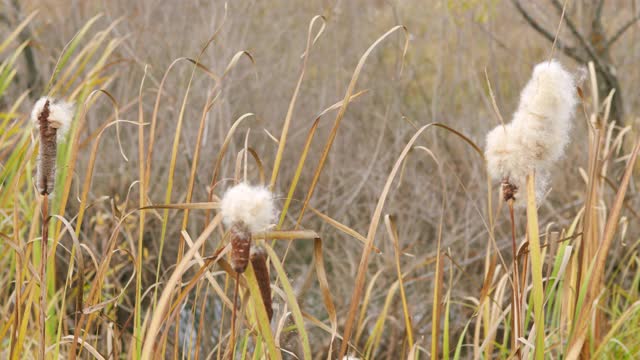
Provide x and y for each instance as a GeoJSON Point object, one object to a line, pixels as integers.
{"type": "Point", "coordinates": [539, 131]}
{"type": "Point", "coordinates": [252, 205]}
{"type": "Point", "coordinates": [60, 115]}
{"type": "Point", "coordinates": [547, 105]}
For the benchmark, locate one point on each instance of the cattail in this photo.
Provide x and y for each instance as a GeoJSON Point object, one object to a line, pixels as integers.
{"type": "Point", "coordinates": [240, 246]}
{"type": "Point", "coordinates": [539, 132]}
{"type": "Point", "coordinates": [246, 209]}
{"type": "Point", "coordinates": [259, 263]}
{"type": "Point", "coordinates": [52, 119]}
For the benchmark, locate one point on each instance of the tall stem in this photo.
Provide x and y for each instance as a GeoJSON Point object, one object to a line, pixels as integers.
{"type": "Point", "coordinates": [44, 207]}
{"type": "Point", "coordinates": [232, 340]}
{"type": "Point", "coordinates": [515, 300]}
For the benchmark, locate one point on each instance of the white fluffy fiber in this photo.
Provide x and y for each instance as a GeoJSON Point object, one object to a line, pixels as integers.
{"type": "Point", "coordinates": [253, 205]}
{"type": "Point", "coordinates": [60, 114]}
{"type": "Point", "coordinates": [539, 132]}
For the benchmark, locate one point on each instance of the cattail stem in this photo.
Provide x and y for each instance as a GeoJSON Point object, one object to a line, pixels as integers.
{"type": "Point", "coordinates": [515, 304]}
{"type": "Point", "coordinates": [232, 340]}
{"type": "Point", "coordinates": [43, 273]}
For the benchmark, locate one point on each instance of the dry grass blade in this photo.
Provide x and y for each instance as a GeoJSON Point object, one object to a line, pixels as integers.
{"type": "Point", "coordinates": [291, 301]}
{"type": "Point", "coordinates": [294, 97]}
{"type": "Point", "coordinates": [341, 112]}
{"type": "Point", "coordinates": [436, 312]}
{"type": "Point", "coordinates": [156, 107]}
{"type": "Point", "coordinates": [141, 202]}
{"type": "Point", "coordinates": [261, 314]}
{"type": "Point", "coordinates": [343, 228]}
{"type": "Point", "coordinates": [88, 177]}
{"type": "Point", "coordinates": [214, 284]}
{"type": "Point", "coordinates": [392, 231]}
{"type": "Point", "coordinates": [597, 266]}
{"type": "Point", "coordinates": [326, 291]}
{"type": "Point", "coordinates": [496, 110]}
{"type": "Point", "coordinates": [163, 302]}
{"type": "Point", "coordinates": [69, 338]}
{"type": "Point", "coordinates": [81, 271]}
{"type": "Point", "coordinates": [242, 157]}
{"type": "Point", "coordinates": [365, 304]}
{"type": "Point", "coordinates": [221, 153]}
{"type": "Point", "coordinates": [154, 119]}
{"type": "Point", "coordinates": [287, 235]}
{"type": "Point", "coordinates": [377, 331]}
{"type": "Point", "coordinates": [303, 156]}
{"type": "Point", "coordinates": [185, 206]}
{"type": "Point", "coordinates": [618, 324]}
{"type": "Point", "coordinates": [362, 267]}
{"type": "Point", "coordinates": [296, 177]}
{"type": "Point", "coordinates": [168, 192]}
{"type": "Point", "coordinates": [16, 31]}
{"type": "Point", "coordinates": [613, 220]}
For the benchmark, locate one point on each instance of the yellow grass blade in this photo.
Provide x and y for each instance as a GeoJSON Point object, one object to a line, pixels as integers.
{"type": "Point", "coordinates": [286, 235]}
{"type": "Point", "coordinates": [392, 231]}
{"type": "Point", "coordinates": [294, 97]}
{"type": "Point", "coordinates": [536, 267]}
{"type": "Point", "coordinates": [362, 267]}
{"type": "Point", "coordinates": [303, 156]}
{"type": "Point", "coordinates": [167, 293]}
{"type": "Point", "coordinates": [291, 300]}
{"type": "Point", "coordinates": [16, 31]}
{"type": "Point", "coordinates": [326, 290]}
{"type": "Point", "coordinates": [631, 310]}
{"type": "Point", "coordinates": [261, 314]}
{"type": "Point", "coordinates": [343, 228]}
{"type": "Point", "coordinates": [336, 124]}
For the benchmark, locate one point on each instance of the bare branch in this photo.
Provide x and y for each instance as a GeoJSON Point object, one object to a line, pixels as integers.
{"type": "Point", "coordinates": [621, 31]}
{"type": "Point", "coordinates": [593, 55]}
{"type": "Point", "coordinates": [574, 30]}
{"type": "Point", "coordinates": [582, 54]}
{"type": "Point", "coordinates": [598, 14]}
{"type": "Point", "coordinates": [569, 51]}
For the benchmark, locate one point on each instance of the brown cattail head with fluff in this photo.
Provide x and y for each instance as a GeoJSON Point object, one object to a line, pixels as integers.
{"type": "Point", "coordinates": [509, 190]}
{"type": "Point", "coordinates": [240, 246]}
{"type": "Point", "coordinates": [46, 173]}
{"type": "Point", "coordinates": [245, 210]}
{"type": "Point", "coordinates": [52, 120]}
{"type": "Point", "coordinates": [259, 263]}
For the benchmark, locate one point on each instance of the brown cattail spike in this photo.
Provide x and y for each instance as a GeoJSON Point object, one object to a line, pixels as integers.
{"type": "Point", "coordinates": [259, 263]}
{"type": "Point", "coordinates": [240, 246]}
{"type": "Point", "coordinates": [46, 172]}
{"type": "Point", "coordinates": [509, 190]}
